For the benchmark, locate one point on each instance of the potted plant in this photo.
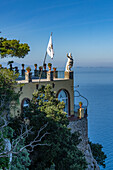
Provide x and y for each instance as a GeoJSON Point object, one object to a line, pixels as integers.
{"type": "Point", "coordinates": [40, 68]}
{"type": "Point", "coordinates": [49, 65]}
{"type": "Point", "coordinates": [10, 63]}
{"type": "Point", "coordinates": [22, 66]}
{"type": "Point", "coordinates": [35, 66]}
{"type": "Point", "coordinates": [54, 68]}
{"type": "Point", "coordinates": [16, 68]}
{"type": "Point", "coordinates": [80, 104]}
{"type": "Point", "coordinates": [28, 69]}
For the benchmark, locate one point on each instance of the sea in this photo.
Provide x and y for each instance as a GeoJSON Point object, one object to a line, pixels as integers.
{"type": "Point", "coordinates": [96, 84]}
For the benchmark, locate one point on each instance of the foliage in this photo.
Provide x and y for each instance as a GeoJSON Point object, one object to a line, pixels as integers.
{"type": "Point", "coordinates": [7, 90]}
{"type": "Point", "coordinates": [49, 64]}
{"type": "Point", "coordinates": [8, 98]}
{"type": "Point", "coordinates": [7, 132]}
{"type": "Point", "coordinates": [10, 62]}
{"type": "Point", "coordinates": [98, 154]}
{"type": "Point", "coordinates": [80, 103]}
{"type": "Point", "coordinates": [62, 150]}
{"type": "Point", "coordinates": [13, 48]}
{"type": "Point", "coordinates": [28, 68]}
{"type": "Point", "coordinates": [4, 163]}
{"type": "Point", "coordinates": [40, 67]}
{"type": "Point", "coordinates": [7, 95]}
{"type": "Point", "coordinates": [22, 160]}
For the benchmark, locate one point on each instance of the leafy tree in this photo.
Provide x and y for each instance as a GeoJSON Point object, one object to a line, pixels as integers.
{"type": "Point", "coordinates": [7, 90]}
{"type": "Point", "coordinates": [5, 133]}
{"type": "Point", "coordinates": [13, 48]}
{"type": "Point", "coordinates": [13, 131]}
{"type": "Point", "coordinates": [22, 160]}
{"type": "Point", "coordinates": [62, 150]}
{"type": "Point", "coordinates": [8, 96]}
{"type": "Point", "coordinates": [98, 154]}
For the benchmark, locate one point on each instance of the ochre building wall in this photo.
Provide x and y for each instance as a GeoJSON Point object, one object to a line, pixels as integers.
{"type": "Point", "coordinates": [29, 88]}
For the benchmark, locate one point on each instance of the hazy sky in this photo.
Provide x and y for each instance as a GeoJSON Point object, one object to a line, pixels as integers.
{"type": "Point", "coordinates": [82, 27]}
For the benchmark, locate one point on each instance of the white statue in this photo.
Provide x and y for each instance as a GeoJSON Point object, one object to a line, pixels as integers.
{"type": "Point", "coordinates": [69, 62]}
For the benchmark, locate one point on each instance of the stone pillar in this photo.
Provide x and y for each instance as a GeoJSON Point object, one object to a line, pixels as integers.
{"type": "Point", "coordinates": [36, 73]}
{"type": "Point", "coordinates": [28, 77]}
{"type": "Point", "coordinates": [23, 72]}
{"type": "Point", "coordinates": [44, 74]}
{"type": "Point", "coordinates": [50, 75]}
{"type": "Point", "coordinates": [55, 74]}
{"type": "Point", "coordinates": [69, 75]}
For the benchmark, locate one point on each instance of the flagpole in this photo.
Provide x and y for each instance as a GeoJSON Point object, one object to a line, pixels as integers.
{"type": "Point", "coordinates": [43, 66]}
{"type": "Point", "coordinates": [45, 58]}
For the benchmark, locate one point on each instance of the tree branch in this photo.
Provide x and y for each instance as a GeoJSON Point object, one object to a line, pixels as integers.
{"type": "Point", "coordinates": [36, 141]}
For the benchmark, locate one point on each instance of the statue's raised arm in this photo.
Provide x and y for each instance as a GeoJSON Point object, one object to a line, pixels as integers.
{"type": "Point", "coordinates": [69, 62]}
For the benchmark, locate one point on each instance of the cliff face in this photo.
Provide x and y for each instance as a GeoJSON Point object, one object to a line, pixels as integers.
{"type": "Point", "coordinates": [81, 126]}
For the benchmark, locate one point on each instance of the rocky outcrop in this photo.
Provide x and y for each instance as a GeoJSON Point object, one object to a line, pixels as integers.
{"type": "Point", "coordinates": [92, 163]}
{"type": "Point", "coordinates": [81, 126]}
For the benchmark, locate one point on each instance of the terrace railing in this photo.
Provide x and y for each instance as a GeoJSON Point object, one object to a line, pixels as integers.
{"type": "Point", "coordinates": [36, 75]}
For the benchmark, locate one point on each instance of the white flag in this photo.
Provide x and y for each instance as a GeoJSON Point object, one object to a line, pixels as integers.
{"type": "Point", "coordinates": [50, 48]}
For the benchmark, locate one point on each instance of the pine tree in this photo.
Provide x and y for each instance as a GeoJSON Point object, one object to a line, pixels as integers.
{"type": "Point", "coordinates": [13, 48]}
{"type": "Point", "coordinates": [61, 150]}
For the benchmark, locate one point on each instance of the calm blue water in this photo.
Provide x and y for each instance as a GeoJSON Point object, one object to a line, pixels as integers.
{"type": "Point", "coordinates": [96, 84]}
